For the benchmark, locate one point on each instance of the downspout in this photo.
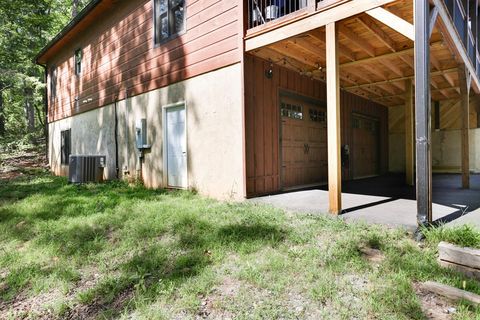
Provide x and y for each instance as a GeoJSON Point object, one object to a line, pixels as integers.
{"type": "Point", "coordinates": [117, 170]}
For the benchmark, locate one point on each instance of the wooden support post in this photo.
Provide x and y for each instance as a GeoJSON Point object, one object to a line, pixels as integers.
{"type": "Point", "coordinates": [423, 114]}
{"type": "Point", "coordinates": [464, 84]}
{"type": "Point", "coordinates": [333, 120]}
{"type": "Point", "coordinates": [409, 134]}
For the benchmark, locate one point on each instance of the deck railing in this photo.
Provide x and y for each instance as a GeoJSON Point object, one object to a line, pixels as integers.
{"type": "Point", "coordinates": [261, 12]}
{"type": "Point", "coordinates": [465, 17]}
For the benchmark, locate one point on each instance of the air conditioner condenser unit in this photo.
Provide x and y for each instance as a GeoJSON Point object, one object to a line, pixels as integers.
{"type": "Point", "coordinates": [86, 168]}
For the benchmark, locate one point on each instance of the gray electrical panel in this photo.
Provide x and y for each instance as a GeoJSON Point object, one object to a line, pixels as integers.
{"type": "Point", "coordinates": [141, 134]}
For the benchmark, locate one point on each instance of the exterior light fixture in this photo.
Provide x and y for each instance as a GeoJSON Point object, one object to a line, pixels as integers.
{"type": "Point", "coordinates": [269, 72]}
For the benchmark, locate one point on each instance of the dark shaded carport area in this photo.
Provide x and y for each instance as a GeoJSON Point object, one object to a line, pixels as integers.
{"type": "Point", "coordinates": [387, 200]}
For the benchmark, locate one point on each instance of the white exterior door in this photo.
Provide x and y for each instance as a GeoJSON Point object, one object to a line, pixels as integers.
{"type": "Point", "coordinates": [176, 146]}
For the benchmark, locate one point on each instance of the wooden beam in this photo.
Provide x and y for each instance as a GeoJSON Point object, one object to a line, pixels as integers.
{"type": "Point", "coordinates": [393, 21]}
{"type": "Point", "coordinates": [387, 55]}
{"type": "Point", "coordinates": [450, 292]}
{"type": "Point", "coordinates": [423, 113]}
{"type": "Point", "coordinates": [464, 109]}
{"type": "Point", "coordinates": [377, 31]}
{"type": "Point", "coordinates": [313, 21]}
{"type": "Point", "coordinates": [441, 72]}
{"type": "Point", "coordinates": [466, 256]}
{"type": "Point", "coordinates": [345, 51]}
{"type": "Point", "coordinates": [359, 42]}
{"type": "Point", "coordinates": [433, 20]}
{"type": "Point", "coordinates": [333, 121]}
{"type": "Point", "coordinates": [409, 134]}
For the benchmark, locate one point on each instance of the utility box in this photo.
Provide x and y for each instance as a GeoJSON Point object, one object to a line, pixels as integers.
{"type": "Point", "coordinates": [141, 134]}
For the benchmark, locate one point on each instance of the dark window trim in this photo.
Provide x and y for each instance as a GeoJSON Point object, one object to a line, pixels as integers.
{"type": "Point", "coordinates": [78, 64]}
{"type": "Point", "coordinates": [65, 146]}
{"type": "Point", "coordinates": [172, 36]}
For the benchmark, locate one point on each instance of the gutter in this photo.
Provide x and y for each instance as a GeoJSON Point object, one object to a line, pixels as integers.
{"type": "Point", "coordinates": [82, 14]}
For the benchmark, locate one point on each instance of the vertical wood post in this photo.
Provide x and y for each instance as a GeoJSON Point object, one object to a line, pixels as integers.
{"type": "Point", "coordinates": [409, 134]}
{"type": "Point", "coordinates": [423, 113]}
{"type": "Point", "coordinates": [465, 105]}
{"type": "Point", "coordinates": [333, 120]}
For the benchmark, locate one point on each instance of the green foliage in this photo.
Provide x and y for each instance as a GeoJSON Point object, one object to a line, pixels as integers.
{"type": "Point", "coordinates": [465, 235]}
{"type": "Point", "coordinates": [25, 28]}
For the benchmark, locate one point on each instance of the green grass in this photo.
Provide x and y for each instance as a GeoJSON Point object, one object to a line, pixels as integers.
{"type": "Point", "coordinates": [118, 251]}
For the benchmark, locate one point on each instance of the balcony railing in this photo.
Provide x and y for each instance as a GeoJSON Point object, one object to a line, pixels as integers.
{"type": "Point", "coordinates": [465, 17]}
{"type": "Point", "coordinates": [261, 12]}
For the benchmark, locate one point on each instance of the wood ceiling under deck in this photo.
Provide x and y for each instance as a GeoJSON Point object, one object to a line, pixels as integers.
{"type": "Point", "coordinates": [375, 61]}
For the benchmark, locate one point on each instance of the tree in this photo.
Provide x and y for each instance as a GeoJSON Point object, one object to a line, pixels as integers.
{"type": "Point", "coordinates": [25, 28]}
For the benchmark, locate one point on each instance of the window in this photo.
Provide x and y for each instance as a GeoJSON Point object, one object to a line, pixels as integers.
{"type": "Point", "coordinates": [78, 61]}
{"type": "Point", "coordinates": [53, 83]}
{"type": "Point", "coordinates": [291, 111]}
{"type": "Point", "coordinates": [169, 19]}
{"type": "Point", "coordinates": [65, 146]}
{"type": "Point", "coordinates": [318, 115]}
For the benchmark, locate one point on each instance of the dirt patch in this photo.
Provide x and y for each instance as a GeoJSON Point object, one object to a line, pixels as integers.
{"type": "Point", "coordinates": [13, 166]}
{"type": "Point", "coordinates": [208, 308]}
{"type": "Point", "coordinates": [27, 307]}
{"type": "Point", "coordinates": [374, 256]}
{"type": "Point", "coordinates": [433, 306]}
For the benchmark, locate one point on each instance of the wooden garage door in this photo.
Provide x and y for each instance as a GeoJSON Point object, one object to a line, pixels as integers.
{"type": "Point", "coordinates": [365, 147]}
{"type": "Point", "coordinates": [304, 143]}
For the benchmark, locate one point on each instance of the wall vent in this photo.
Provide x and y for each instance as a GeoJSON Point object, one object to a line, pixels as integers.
{"type": "Point", "coordinates": [86, 168]}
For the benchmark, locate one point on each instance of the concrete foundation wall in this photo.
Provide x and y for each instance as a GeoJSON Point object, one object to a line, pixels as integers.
{"type": "Point", "coordinates": [214, 134]}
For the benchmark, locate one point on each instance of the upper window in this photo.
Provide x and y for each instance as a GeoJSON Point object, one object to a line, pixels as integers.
{"type": "Point", "coordinates": [53, 83]}
{"type": "Point", "coordinates": [169, 19]}
{"type": "Point", "coordinates": [78, 61]}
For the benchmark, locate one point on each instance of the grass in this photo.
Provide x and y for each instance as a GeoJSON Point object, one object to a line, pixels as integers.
{"type": "Point", "coordinates": [119, 251]}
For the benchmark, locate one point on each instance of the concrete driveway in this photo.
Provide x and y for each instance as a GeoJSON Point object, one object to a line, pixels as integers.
{"type": "Point", "coordinates": [388, 201]}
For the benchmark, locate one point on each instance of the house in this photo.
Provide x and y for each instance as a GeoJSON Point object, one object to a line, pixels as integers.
{"type": "Point", "coordinates": [246, 98]}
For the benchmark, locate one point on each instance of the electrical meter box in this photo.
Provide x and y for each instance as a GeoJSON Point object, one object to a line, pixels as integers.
{"type": "Point", "coordinates": [141, 134]}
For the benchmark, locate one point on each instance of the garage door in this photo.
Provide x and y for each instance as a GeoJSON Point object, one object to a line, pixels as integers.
{"type": "Point", "coordinates": [365, 146]}
{"type": "Point", "coordinates": [304, 143]}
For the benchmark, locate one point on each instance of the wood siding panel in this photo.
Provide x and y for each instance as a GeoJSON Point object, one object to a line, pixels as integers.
{"type": "Point", "coordinates": [263, 120]}
{"type": "Point", "coordinates": [119, 56]}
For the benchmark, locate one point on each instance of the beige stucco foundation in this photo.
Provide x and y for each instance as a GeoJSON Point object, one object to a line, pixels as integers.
{"type": "Point", "coordinates": [214, 134]}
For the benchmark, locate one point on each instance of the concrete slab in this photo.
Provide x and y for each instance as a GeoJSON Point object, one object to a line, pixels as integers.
{"type": "Point", "coordinates": [388, 201]}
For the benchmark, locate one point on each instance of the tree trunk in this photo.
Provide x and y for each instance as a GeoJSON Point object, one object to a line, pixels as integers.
{"type": "Point", "coordinates": [2, 117]}
{"type": "Point", "coordinates": [29, 110]}
{"type": "Point", "coordinates": [75, 5]}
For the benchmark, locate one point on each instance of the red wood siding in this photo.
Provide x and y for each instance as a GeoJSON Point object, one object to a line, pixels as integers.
{"type": "Point", "coordinates": [119, 55]}
{"type": "Point", "coordinates": [263, 121]}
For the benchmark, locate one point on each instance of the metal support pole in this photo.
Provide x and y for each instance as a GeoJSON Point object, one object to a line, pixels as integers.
{"type": "Point", "coordinates": [423, 113]}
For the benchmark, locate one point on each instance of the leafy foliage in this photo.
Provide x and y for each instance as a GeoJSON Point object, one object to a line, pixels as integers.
{"type": "Point", "coordinates": [25, 28]}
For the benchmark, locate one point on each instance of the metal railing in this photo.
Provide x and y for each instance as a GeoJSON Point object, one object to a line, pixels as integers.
{"type": "Point", "coordinates": [465, 16]}
{"type": "Point", "coordinates": [263, 11]}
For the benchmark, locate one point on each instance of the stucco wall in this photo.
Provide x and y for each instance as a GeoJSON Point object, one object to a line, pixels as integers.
{"type": "Point", "coordinates": [214, 133]}
{"type": "Point", "coordinates": [91, 133]}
